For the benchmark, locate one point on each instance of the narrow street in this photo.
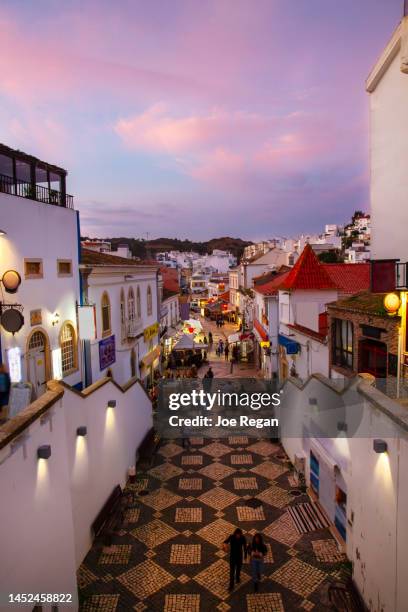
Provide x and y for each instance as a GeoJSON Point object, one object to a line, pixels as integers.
{"type": "Point", "coordinates": [166, 554]}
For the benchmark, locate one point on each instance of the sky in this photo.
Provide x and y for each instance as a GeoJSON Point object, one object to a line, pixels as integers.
{"type": "Point", "coordinates": [198, 118]}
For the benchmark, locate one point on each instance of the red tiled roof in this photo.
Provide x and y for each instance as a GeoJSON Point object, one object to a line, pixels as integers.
{"type": "Point", "coordinates": [271, 287]}
{"type": "Point", "coordinates": [95, 258]}
{"type": "Point", "coordinates": [307, 273]}
{"type": "Point", "coordinates": [349, 278]}
{"type": "Point", "coordinates": [170, 279]}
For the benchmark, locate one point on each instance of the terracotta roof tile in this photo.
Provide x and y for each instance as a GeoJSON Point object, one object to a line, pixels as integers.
{"type": "Point", "coordinates": [308, 273]}
{"type": "Point", "coordinates": [349, 278]}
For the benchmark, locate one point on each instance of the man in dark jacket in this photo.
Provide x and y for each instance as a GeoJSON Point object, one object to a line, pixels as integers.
{"type": "Point", "coordinates": [238, 550]}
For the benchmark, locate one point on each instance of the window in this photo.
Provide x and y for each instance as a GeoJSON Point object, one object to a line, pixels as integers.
{"type": "Point", "coordinates": [149, 301]}
{"type": "Point", "coordinates": [64, 267]}
{"type": "Point", "coordinates": [342, 343]}
{"type": "Point", "coordinates": [68, 349]}
{"type": "Point", "coordinates": [33, 268]}
{"type": "Point", "coordinates": [106, 315]}
{"type": "Point", "coordinates": [122, 313]}
{"type": "Point", "coordinates": [139, 303]}
{"type": "Point", "coordinates": [131, 305]}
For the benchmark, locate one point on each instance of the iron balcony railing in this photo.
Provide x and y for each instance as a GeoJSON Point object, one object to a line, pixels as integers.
{"type": "Point", "coordinates": [35, 192]}
{"type": "Point", "coordinates": [134, 327]}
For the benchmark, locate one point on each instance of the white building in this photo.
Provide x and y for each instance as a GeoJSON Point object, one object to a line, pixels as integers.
{"type": "Point", "coordinates": [387, 86]}
{"type": "Point", "coordinates": [125, 294]}
{"type": "Point", "coordinates": [40, 242]}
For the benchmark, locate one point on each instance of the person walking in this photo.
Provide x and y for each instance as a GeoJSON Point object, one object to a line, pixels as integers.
{"type": "Point", "coordinates": [5, 385]}
{"type": "Point", "coordinates": [238, 550]}
{"type": "Point", "coordinates": [257, 551]}
{"type": "Point", "coordinates": [210, 338]}
{"type": "Point", "coordinates": [226, 352]}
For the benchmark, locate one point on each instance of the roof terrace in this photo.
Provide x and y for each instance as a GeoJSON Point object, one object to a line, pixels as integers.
{"type": "Point", "coordinates": [26, 176]}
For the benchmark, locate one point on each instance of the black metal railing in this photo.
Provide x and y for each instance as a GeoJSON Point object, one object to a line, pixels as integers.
{"type": "Point", "coordinates": [39, 193]}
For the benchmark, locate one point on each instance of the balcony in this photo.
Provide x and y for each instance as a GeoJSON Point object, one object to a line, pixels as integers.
{"type": "Point", "coordinates": [25, 176]}
{"type": "Point", "coordinates": [133, 327]}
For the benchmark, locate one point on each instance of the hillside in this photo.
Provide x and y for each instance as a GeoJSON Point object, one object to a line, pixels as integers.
{"type": "Point", "coordinates": [143, 248]}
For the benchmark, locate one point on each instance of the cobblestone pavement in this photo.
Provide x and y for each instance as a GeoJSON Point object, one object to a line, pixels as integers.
{"type": "Point", "coordinates": [165, 553]}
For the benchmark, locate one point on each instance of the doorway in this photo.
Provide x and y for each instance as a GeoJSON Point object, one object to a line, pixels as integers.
{"type": "Point", "coordinates": [38, 362]}
{"type": "Point", "coordinates": [373, 358]}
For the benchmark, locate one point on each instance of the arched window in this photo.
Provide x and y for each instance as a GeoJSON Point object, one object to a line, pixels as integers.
{"type": "Point", "coordinates": [131, 305]}
{"type": "Point", "coordinates": [122, 313]}
{"type": "Point", "coordinates": [149, 301]}
{"type": "Point", "coordinates": [106, 314]}
{"type": "Point", "coordinates": [138, 304]}
{"type": "Point", "coordinates": [68, 348]}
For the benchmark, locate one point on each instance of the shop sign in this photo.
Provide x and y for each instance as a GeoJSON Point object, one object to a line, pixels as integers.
{"type": "Point", "coordinates": [35, 317]}
{"type": "Point", "coordinates": [107, 352]}
{"type": "Point", "coordinates": [150, 332]}
{"type": "Point", "coordinates": [265, 344]}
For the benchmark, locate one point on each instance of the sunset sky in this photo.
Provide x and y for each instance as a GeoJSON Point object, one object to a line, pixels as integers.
{"type": "Point", "coordinates": [196, 118]}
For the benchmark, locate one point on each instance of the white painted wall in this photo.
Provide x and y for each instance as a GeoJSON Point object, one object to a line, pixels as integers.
{"type": "Point", "coordinates": [100, 461]}
{"type": "Point", "coordinates": [377, 491]}
{"type": "Point", "coordinates": [388, 160]}
{"type": "Point", "coordinates": [47, 507]}
{"type": "Point", "coordinates": [37, 553]}
{"type": "Point", "coordinates": [47, 232]}
{"type": "Point", "coordinates": [113, 281]}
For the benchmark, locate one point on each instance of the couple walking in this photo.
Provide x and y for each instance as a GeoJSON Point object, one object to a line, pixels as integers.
{"type": "Point", "coordinates": [238, 550]}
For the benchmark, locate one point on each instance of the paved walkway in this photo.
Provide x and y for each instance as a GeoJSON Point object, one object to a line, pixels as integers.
{"type": "Point", "coordinates": [166, 551]}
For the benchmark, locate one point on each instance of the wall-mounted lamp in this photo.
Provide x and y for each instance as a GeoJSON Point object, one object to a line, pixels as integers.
{"type": "Point", "coordinates": [342, 426]}
{"type": "Point", "coordinates": [392, 302]}
{"type": "Point", "coordinates": [11, 280]}
{"type": "Point", "coordinates": [82, 430]}
{"type": "Point", "coordinates": [380, 446]}
{"type": "Point", "coordinates": [44, 452]}
{"type": "Point", "coordinates": [112, 404]}
{"type": "Point", "coordinates": [312, 401]}
{"type": "Point", "coordinates": [55, 319]}
{"type": "Point", "coordinates": [3, 232]}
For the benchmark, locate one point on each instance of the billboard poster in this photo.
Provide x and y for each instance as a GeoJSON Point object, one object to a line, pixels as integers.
{"type": "Point", "coordinates": [107, 353]}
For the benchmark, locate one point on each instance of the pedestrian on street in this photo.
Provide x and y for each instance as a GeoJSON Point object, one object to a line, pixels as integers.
{"type": "Point", "coordinates": [5, 385]}
{"type": "Point", "coordinates": [257, 551]}
{"type": "Point", "coordinates": [210, 373]}
{"type": "Point", "coordinates": [238, 550]}
{"type": "Point", "coordinates": [226, 352]}
{"type": "Point", "coordinates": [210, 338]}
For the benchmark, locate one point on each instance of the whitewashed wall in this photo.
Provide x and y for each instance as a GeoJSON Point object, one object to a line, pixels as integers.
{"type": "Point", "coordinates": [47, 506]}
{"type": "Point", "coordinates": [388, 161]}
{"type": "Point", "coordinates": [377, 490]}
{"type": "Point", "coordinates": [47, 232]}
{"type": "Point", "coordinates": [113, 282]}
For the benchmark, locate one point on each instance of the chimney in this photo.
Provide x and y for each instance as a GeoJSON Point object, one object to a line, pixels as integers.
{"type": "Point", "coordinates": [404, 40]}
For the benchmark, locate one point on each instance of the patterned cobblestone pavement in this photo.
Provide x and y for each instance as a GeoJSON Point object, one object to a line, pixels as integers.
{"type": "Point", "coordinates": [166, 552]}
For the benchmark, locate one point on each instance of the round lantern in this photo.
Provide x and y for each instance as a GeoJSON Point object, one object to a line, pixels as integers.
{"type": "Point", "coordinates": [392, 302]}
{"type": "Point", "coordinates": [11, 281]}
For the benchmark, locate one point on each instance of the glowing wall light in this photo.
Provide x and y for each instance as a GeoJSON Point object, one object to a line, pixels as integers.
{"type": "Point", "coordinates": [392, 302]}
{"type": "Point", "coordinates": [81, 431]}
{"type": "Point", "coordinates": [44, 451]}
{"type": "Point", "coordinates": [380, 446]}
{"type": "Point", "coordinates": [112, 404]}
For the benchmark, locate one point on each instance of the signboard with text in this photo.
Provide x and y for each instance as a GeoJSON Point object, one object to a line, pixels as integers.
{"type": "Point", "coordinates": [107, 352]}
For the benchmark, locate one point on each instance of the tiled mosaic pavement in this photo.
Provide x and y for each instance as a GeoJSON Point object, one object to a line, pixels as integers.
{"type": "Point", "coordinates": [167, 552]}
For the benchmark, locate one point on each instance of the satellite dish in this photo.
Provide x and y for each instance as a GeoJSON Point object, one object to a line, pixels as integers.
{"type": "Point", "coordinates": [12, 320]}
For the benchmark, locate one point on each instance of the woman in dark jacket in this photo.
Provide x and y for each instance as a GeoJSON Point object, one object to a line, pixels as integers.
{"type": "Point", "coordinates": [238, 549]}
{"type": "Point", "coordinates": [257, 551]}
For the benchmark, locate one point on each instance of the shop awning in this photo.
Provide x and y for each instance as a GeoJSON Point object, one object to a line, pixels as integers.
{"type": "Point", "coordinates": [292, 347]}
{"type": "Point", "coordinates": [263, 336]}
{"type": "Point", "coordinates": [148, 359]}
